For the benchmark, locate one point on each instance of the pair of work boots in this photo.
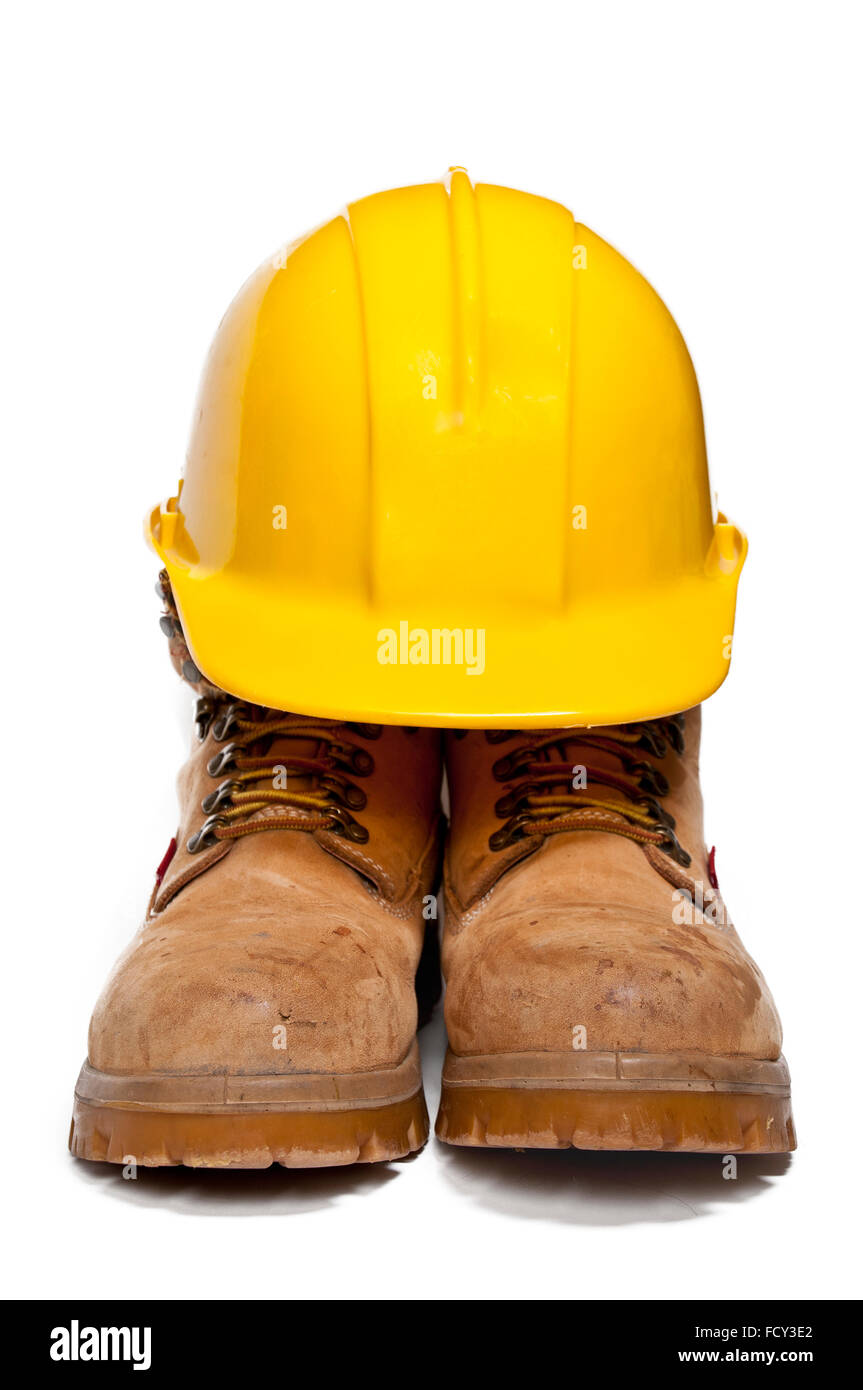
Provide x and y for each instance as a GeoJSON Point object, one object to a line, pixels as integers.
{"type": "Point", "coordinates": [597, 992]}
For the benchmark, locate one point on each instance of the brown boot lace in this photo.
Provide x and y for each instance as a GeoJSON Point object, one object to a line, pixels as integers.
{"type": "Point", "coordinates": [233, 808]}
{"type": "Point", "coordinates": [541, 799]}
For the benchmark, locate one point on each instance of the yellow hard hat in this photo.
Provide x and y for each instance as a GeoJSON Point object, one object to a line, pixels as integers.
{"type": "Point", "coordinates": [448, 468]}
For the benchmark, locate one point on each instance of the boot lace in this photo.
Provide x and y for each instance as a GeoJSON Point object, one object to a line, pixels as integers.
{"type": "Point", "coordinates": [541, 800]}
{"type": "Point", "coordinates": [257, 780]}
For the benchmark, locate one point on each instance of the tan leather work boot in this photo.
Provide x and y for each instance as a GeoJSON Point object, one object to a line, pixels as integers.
{"type": "Point", "coordinates": [597, 994]}
{"type": "Point", "coordinates": [266, 1010]}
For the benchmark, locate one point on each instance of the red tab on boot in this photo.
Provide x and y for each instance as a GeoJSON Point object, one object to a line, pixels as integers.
{"type": "Point", "coordinates": [168, 856]}
{"type": "Point", "coordinates": [711, 869]}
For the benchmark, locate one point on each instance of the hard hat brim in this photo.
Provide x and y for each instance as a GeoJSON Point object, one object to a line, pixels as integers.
{"type": "Point", "coordinates": [613, 661]}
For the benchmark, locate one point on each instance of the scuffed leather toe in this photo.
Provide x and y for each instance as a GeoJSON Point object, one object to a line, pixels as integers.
{"type": "Point", "coordinates": [631, 982]}
{"type": "Point", "coordinates": [286, 983]}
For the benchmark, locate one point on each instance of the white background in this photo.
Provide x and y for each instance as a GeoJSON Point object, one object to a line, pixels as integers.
{"type": "Point", "coordinates": [154, 155]}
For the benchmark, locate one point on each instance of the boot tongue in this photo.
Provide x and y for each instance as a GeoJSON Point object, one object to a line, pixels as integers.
{"type": "Point", "coordinates": [590, 753]}
{"type": "Point", "coordinates": [283, 749]}
{"type": "Point", "coordinates": [563, 746]}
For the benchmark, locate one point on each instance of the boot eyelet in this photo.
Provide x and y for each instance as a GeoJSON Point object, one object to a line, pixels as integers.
{"type": "Point", "coordinates": [513, 830]}
{"type": "Point", "coordinates": [674, 849]}
{"type": "Point", "coordinates": [203, 716]}
{"type": "Point", "coordinates": [221, 761]}
{"type": "Point", "coordinates": [505, 767]}
{"type": "Point", "coordinates": [204, 838]}
{"type": "Point", "coordinates": [346, 792]}
{"type": "Point", "coordinates": [358, 760]}
{"type": "Point", "coordinates": [650, 779]}
{"type": "Point", "coordinates": [223, 793]}
{"type": "Point", "coordinates": [653, 742]}
{"type": "Point", "coordinates": [346, 825]}
{"type": "Point", "coordinates": [508, 805]}
{"type": "Point", "coordinates": [225, 722]}
{"type": "Point", "coordinates": [658, 812]}
{"type": "Point", "coordinates": [674, 734]}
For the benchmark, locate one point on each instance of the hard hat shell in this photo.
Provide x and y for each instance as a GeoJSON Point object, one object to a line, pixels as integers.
{"type": "Point", "coordinates": [448, 468]}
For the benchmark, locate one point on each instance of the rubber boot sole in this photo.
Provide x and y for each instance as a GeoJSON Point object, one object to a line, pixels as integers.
{"type": "Point", "coordinates": [679, 1102]}
{"type": "Point", "coordinates": [306, 1120]}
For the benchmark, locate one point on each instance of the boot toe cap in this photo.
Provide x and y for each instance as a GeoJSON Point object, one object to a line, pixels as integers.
{"type": "Point", "coordinates": [626, 982]}
{"type": "Point", "coordinates": [262, 1000]}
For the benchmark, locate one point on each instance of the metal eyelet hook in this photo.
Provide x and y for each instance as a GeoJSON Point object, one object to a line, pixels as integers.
{"type": "Point", "coordinates": [225, 722]}
{"type": "Point", "coordinates": [508, 804]}
{"type": "Point", "coordinates": [513, 764]}
{"type": "Point", "coordinates": [221, 761]}
{"type": "Point", "coordinates": [358, 760]}
{"type": "Point", "coordinates": [653, 742]}
{"type": "Point", "coordinates": [674, 849]}
{"type": "Point", "coordinates": [204, 838]}
{"type": "Point", "coordinates": [346, 791]}
{"type": "Point", "coordinates": [220, 796]}
{"type": "Point", "coordinates": [650, 779]}
{"type": "Point", "coordinates": [658, 812]}
{"type": "Point", "coordinates": [513, 830]}
{"type": "Point", "coordinates": [674, 733]}
{"type": "Point", "coordinates": [346, 825]}
{"type": "Point", "coordinates": [510, 764]}
{"type": "Point", "coordinates": [204, 708]}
